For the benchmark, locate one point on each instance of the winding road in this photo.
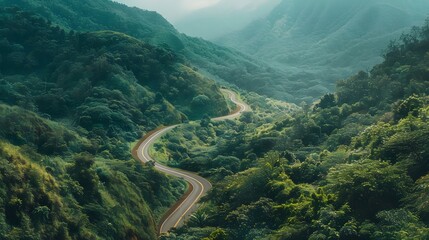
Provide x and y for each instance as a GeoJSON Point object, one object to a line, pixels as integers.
{"type": "Point", "coordinates": [198, 186]}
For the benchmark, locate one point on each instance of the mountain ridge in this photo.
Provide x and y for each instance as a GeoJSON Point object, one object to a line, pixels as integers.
{"type": "Point", "coordinates": [223, 64]}
{"type": "Point", "coordinates": [341, 36]}
{"type": "Point", "coordinates": [71, 103]}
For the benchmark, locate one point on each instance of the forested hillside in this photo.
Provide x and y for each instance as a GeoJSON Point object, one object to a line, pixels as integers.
{"type": "Point", "coordinates": [81, 80]}
{"type": "Point", "coordinates": [218, 62]}
{"type": "Point", "coordinates": [70, 104]}
{"type": "Point", "coordinates": [320, 42]}
{"type": "Point", "coordinates": [353, 166]}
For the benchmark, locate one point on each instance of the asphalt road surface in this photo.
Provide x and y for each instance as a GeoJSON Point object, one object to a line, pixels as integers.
{"type": "Point", "coordinates": [182, 210]}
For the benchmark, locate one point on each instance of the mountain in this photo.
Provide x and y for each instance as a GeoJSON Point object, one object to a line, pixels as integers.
{"type": "Point", "coordinates": [71, 104]}
{"type": "Point", "coordinates": [68, 68]}
{"type": "Point", "coordinates": [103, 15]}
{"type": "Point", "coordinates": [326, 40]}
{"type": "Point", "coordinates": [223, 17]}
{"type": "Point", "coordinates": [223, 64]}
{"type": "Point", "coordinates": [353, 166]}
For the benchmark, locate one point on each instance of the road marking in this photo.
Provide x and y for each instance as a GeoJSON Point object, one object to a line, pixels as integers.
{"type": "Point", "coordinates": [190, 206]}
{"type": "Point", "coordinates": [145, 147]}
{"type": "Point", "coordinates": [144, 151]}
{"type": "Point", "coordinates": [189, 177]}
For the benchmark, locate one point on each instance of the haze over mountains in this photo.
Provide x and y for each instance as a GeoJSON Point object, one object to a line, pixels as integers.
{"type": "Point", "coordinates": [296, 53]}
{"type": "Point", "coordinates": [224, 17]}
{"type": "Point", "coordinates": [207, 18]}
{"type": "Point", "coordinates": [81, 81]}
{"type": "Point", "coordinates": [328, 39]}
{"type": "Point", "coordinates": [218, 62]}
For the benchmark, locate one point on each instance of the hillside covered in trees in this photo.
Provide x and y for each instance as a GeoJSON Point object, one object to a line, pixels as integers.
{"type": "Point", "coordinates": [353, 166]}
{"type": "Point", "coordinates": [221, 63]}
{"type": "Point", "coordinates": [76, 91]}
{"type": "Point", "coordinates": [70, 105]}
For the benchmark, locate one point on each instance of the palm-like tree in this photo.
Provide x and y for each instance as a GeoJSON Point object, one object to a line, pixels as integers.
{"type": "Point", "coordinates": [198, 219]}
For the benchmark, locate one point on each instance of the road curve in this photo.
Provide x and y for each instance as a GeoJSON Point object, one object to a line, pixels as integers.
{"type": "Point", "coordinates": [241, 106]}
{"type": "Point", "coordinates": [199, 186]}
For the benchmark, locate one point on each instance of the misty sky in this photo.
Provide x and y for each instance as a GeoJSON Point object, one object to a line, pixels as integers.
{"type": "Point", "coordinates": [207, 18]}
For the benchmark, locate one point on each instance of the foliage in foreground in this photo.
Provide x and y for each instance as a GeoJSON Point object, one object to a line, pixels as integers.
{"type": "Point", "coordinates": [353, 166]}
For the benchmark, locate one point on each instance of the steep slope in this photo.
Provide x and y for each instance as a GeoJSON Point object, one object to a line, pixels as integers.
{"type": "Point", "coordinates": [218, 62]}
{"type": "Point", "coordinates": [68, 69]}
{"type": "Point", "coordinates": [327, 39]}
{"type": "Point", "coordinates": [103, 15]}
{"type": "Point", "coordinates": [353, 166]}
{"type": "Point", "coordinates": [70, 104]}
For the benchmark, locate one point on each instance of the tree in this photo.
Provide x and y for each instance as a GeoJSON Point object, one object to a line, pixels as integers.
{"type": "Point", "coordinates": [84, 173]}
{"type": "Point", "coordinates": [205, 121]}
{"type": "Point", "coordinates": [354, 89]}
{"type": "Point", "coordinates": [420, 197]}
{"type": "Point", "coordinates": [410, 105]}
{"type": "Point", "coordinates": [218, 234]}
{"type": "Point", "coordinates": [41, 213]}
{"type": "Point", "coordinates": [247, 117]}
{"type": "Point", "coordinates": [198, 219]}
{"type": "Point", "coordinates": [228, 162]}
{"type": "Point", "coordinates": [369, 186]}
{"type": "Point", "coordinates": [399, 224]}
{"type": "Point", "coordinates": [327, 101]}
{"type": "Point", "coordinates": [307, 130]}
{"type": "Point", "coordinates": [200, 103]}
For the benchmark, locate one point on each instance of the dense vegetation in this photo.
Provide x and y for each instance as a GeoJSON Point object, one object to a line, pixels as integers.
{"type": "Point", "coordinates": [213, 148]}
{"type": "Point", "coordinates": [109, 84]}
{"type": "Point", "coordinates": [220, 62]}
{"type": "Point", "coordinates": [353, 166]}
{"type": "Point", "coordinates": [70, 104]}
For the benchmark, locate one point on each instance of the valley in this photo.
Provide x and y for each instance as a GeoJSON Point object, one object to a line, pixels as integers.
{"type": "Point", "coordinates": [294, 127]}
{"type": "Point", "coordinates": [320, 43]}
